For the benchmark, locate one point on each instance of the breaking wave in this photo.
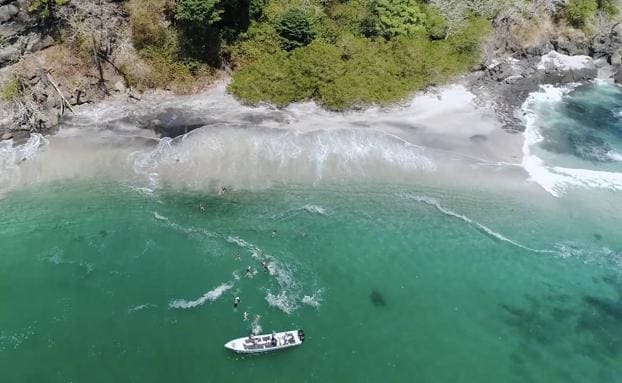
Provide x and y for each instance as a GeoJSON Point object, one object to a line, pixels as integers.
{"type": "Point", "coordinates": [484, 229]}
{"type": "Point", "coordinates": [556, 179]}
{"type": "Point", "coordinates": [210, 296]}
{"type": "Point", "coordinates": [12, 155]}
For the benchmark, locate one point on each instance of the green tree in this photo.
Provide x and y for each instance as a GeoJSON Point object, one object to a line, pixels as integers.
{"type": "Point", "coordinates": [198, 12]}
{"type": "Point", "coordinates": [295, 29]}
{"type": "Point", "coordinates": [579, 12]}
{"type": "Point", "coordinates": [392, 18]}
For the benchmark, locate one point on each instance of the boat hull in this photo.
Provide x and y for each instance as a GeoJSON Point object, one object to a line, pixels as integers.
{"type": "Point", "coordinates": [265, 343]}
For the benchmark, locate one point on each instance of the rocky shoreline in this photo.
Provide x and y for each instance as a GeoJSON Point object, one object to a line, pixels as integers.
{"type": "Point", "coordinates": [508, 80]}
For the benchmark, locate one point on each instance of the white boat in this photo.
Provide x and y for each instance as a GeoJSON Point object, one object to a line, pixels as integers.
{"type": "Point", "coordinates": [262, 343]}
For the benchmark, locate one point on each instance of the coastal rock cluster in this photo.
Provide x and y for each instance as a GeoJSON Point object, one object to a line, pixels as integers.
{"type": "Point", "coordinates": [509, 78]}
{"type": "Point", "coordinates": [19, 32]}
{"type": "Point", "coordinates": [50, 76]}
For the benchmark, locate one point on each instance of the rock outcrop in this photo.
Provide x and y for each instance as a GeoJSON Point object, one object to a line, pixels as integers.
{"type": "Point", "coordinates": [20, 33]}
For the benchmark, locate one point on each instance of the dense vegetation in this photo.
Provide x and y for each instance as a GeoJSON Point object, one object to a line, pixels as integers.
{"type": "Point", "coordinates": [340, 53]}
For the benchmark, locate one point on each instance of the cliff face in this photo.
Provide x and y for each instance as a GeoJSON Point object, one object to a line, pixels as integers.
{"type": "Point", "coordinates": [20, 33]}
{"type": "Point", "coordinates": [57, 63]}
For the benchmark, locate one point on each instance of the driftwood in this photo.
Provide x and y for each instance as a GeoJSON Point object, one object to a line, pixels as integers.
{"type": "Point", "coordinates": [63, 99]}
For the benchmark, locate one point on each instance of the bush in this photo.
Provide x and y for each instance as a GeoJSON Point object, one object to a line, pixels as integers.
{"type": "Point", "coordinates": [356, 71]}
{"type": "Point", "coordinates": [11, 90]}
{"type": "Point", "coordinates": [147, 19]}
{"type": "Point", "coordinates": [351, 16]}
{"type": "Point", "coordinates": [260, 40]}
{"type": "Point", "coordinates": [611, 7]}
{"type": "Point", "coordinates": [579, 12]}
{"type": "Point", "coordinates": [44, 9]}
{"type": "Point", "coordinates": [294, 29]}
{"type": "Point", "coordinates": [392, 18]}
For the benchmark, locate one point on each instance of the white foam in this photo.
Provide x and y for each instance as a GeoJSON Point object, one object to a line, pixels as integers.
{"type": "Point", "coordinates": [211, 295]}
{"type": "Point", "coordinates": [314, 209]}
{"type": "Point", "coordinates": [615, 156]}
{"type": "Point", "coordinates": [555, 180]}
{"type": "Point", "coordinates": [13, 340]}
{"type": "Point", "coordinates": [283, 301]}
{"type": "Point", "coordinates": [157, 216]}
{"type": "Point", "coordinates": [433, 202]}
{"type": "Point", "coordinates": [12, 155]}
{"type": "Point", "coordinates": [314, 300]}
{"type": "Point", "coordinates": [256, 325]}
{"type": "Point", "coordinates": [564, 62]}
{"type": "Point", "coordinates": [143, 306]}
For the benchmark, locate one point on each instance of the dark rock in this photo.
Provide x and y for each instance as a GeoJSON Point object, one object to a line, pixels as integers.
{"type": "Point", "coordinates": [37, 43]}
{"type": "Point", "coordinates": [618, 75]}
{"type": "Point", "coordinates": [616, 58]}
{"type": "Point", "coordinates": [175, 122]}
{"type": "Point", "coordinates": [571, 47]}
{"type": "Point", "coordinates": [10, 54]}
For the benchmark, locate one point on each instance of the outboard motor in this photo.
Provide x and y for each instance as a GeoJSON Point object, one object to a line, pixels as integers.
{"type": "Point", "coordinates": [301, 335]}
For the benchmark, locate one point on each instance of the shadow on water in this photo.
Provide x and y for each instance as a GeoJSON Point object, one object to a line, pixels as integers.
{"type": "Point", "coordinates": [377, 299]}
{"type": "Point", "coordinates": [558, 327]}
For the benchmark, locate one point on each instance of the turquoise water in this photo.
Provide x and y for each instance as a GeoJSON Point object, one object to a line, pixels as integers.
{"type": "Point", "coordinates": [390, 283]}
{"type": "Point", "coordinates": [584, 130]}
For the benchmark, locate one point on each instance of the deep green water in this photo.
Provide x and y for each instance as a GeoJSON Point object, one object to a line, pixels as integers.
{"type": "Point", "coordinates": [411, 284]}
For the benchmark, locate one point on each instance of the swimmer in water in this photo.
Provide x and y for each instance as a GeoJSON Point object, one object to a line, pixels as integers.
{"type": "Point", "coordinates": [245, 316]}
{"type": "Point", "coordinates": [273, 233]}
{"type": "Point", "coordinates": [201, 207]}
{"type": "Point", "coordinates": [236, 301]}
{"type": "Point", "coordinates": [222, 190]}
{"type": "Point", "coordinates": [249, 271]}
{"type": "Point", "coordinates": [264, 264]}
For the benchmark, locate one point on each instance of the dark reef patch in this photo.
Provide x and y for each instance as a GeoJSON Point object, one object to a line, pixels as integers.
{"type": "Point", "coordinates": [377, 299]}
{"type": "Point", "coordinates": [558, 324]}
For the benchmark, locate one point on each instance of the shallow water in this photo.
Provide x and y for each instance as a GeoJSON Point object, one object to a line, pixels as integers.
{"type": "Point", "coordinates": [103, 282]}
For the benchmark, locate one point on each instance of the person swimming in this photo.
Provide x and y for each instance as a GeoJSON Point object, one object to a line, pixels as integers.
{"type": "Point", "coordinates": [236, 301]}
{"type": "Point", "coordinates": [249, 272]}
{"type": "Point", "coordinates": [245, 316]}
{"type": "Point", "coordinates": [264, 264]}
{"type": "Point", "coordinates": [274, 233]}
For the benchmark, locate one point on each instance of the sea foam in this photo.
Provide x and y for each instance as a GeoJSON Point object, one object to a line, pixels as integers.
{"type": "Point", "coordinates": [555, 179]}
